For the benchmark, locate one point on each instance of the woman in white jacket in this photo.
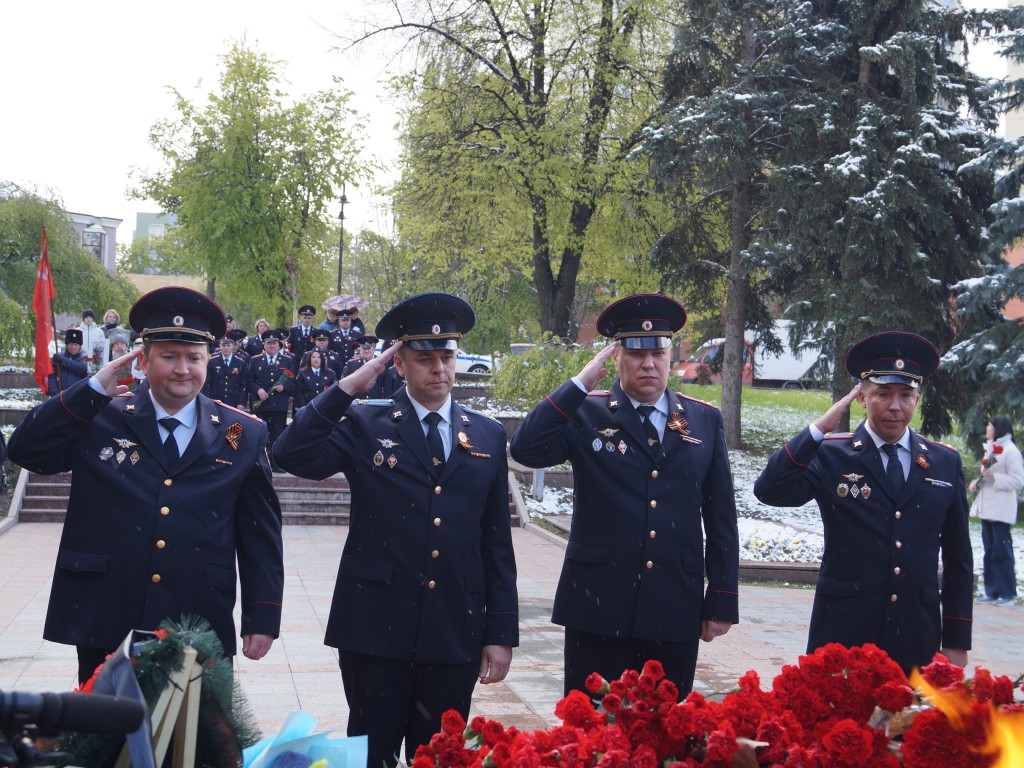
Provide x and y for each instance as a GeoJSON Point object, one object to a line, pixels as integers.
{"type": "Point", "coordinates": [1002, 475]}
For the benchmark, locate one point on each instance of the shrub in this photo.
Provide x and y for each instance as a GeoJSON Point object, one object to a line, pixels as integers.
{"type": "Point", "coordinates": [525, 379]}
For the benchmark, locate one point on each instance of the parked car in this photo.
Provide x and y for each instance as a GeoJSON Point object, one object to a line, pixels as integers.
{"type": "Point", "coordinates": [464, 361]}
{"type": "Point", "coordinates": [467, 363]}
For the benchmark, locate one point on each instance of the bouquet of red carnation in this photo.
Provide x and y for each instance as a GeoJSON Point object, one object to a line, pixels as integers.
{"type": "Point", "coordinates": [286, 373]}
{"type": "Point", "coordinates": [838, 707]}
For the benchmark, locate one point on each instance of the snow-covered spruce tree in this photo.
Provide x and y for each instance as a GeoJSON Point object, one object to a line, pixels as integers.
{"type": "Point", "coordinates": [988, 358]}
{"type": "Point", "coordinates": [728, 85]}
{"type": "Point", "coordinates": [877, 212]}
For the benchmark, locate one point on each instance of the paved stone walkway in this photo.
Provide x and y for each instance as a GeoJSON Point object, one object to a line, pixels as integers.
{"type": "Point", "coordinates": [302, 673]}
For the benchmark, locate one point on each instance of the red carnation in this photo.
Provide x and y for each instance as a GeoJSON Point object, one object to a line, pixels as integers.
{"type": "Point", "coordinates": [997, 449]}
{"type": "Point", "coordinates": [941, 674]}
{"type": "Point", "coordinates": [612, 703]}
{"type": "Point", "coordinates": [932, 741]}
{"type": "Point", "coordinates": [894, 697]}
{"type": "Point", "coordinates": [596, 684]}
{"type": "Point", "coordinates": [577, 710]}
{"type": "Point", "coordinates": [452, 723]}
{"type": "Point", "coordinates": [848, 744]}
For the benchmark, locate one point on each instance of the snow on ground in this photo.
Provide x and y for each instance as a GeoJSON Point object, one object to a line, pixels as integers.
{"type": "Point", "coordinates": [774, 534]}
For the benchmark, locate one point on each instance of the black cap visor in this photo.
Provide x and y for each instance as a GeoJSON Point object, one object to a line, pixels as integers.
{"type": "Point", "coordinates": [426, 345]}
{"type": "Point", "coordinates": [645, 342]}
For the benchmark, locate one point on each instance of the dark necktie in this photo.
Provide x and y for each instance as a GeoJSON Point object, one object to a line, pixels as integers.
{"type": "Point", "coordinates": [434, 442]}
{"type": "Point", "coordinates": [645, 412]}
{"type": "Point", "coordinates": [894, 469]}
{"type": "Point", "coordinates": [170, 444]}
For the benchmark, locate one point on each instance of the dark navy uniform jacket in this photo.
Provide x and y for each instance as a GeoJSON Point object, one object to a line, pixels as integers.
{"type": "Point", "coordinates": [143, 542]}
{"type": "Point", "coordinates": [299, 344]}
{"type": "Point", "coordinates": [636, 559]}
{"type": "Point", "coordinates": [310, 383]}
{"type": "Point", "coordinates": [879, 574]}
{"type": "Point", "coordinates": [428, 572]}
{"type": "Point", "coordinates": [227, 382]}
{"type": "Point", "coordinates": [262, 374]}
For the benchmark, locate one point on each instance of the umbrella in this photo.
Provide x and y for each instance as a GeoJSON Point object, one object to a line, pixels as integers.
{"type": "Point", "coordinates": [345, 301]}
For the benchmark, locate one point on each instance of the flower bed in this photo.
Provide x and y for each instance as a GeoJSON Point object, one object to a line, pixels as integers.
{"type": "Point", "coordinates": [838, 707]}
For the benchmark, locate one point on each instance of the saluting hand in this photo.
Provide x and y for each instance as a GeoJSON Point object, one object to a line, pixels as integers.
{"type": "Point", "coordinates": [595, 370]}
{"type": "Point", "coordinates": [362, 379]}
{"type": "Point", "coordinates": [830, 420]}
{"type": "Point", "coordinates": [108, 375]}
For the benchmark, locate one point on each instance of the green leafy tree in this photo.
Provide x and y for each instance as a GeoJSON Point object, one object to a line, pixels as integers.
{"type": "Point", "coordinates": [516, 144]}
{"type": "Point", "coordinates": [80, 281]}
{"type": "Point", "coordinates": [250, 175]}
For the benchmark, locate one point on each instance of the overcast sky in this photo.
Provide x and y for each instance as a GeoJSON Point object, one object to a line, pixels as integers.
{"type": "Point", "coordinates": [83, 82]}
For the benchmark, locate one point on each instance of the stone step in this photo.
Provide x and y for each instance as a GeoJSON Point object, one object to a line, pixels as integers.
{"type": "Point", "coordinates": [45, 502]}
{"type": "Point", "coordinates": [38, 488]}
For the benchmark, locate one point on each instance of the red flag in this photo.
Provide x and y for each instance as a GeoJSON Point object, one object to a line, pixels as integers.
{"type": "Point", "coordinates": [44, 316]}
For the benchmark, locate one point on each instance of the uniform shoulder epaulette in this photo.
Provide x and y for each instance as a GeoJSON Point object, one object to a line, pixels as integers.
{"type": "Point", "coordinates": [599, 393]}
{"type": "Point", "coordinates": [953, 448]}
{"type": "Point", "coordinates": [838, 436]}
{"type": "Point", "coordinates": [375, 401]}
{"type": "Point", "coordinates": [697, 400]}
{"type": "Point", "coordinates": [479, 413]}
{"type": "Point", "coordinates": [237, 410]}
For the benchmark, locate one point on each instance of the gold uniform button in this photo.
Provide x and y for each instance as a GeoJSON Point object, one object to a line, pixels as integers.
{"type": "Point", "coordinates": [156, 578]}
{"type": "Point", "coordinates": [899, 544]}
{"type": "Point", "coordinates": [168, 481]}
{"type": "Point", "coordinates": [649, 564]}
{"type": "Point", "coordinates": [437, 522]}
{"type": "Point", "coordinates": [165, 510]}
{"type": "Point", "coordinates": [652, 534]}
{"type": "Point", "coordinates": [893, 599]}
{"type": "Point", "coordinates": [431, 584]}
{"type": "Point", "coordinates": [437, 490]}
{"type": "Point", "coordinates": [435, 554]}
{"type": "Point", "coordinates": [899, 515]}
{"type": "Point", "coordinates": [654, 504]}
{"type": "Point", "coordinates": [896, 570]}
{"type": "Point", "coordinates": [161, 544]}
{"type": "Point", "coordinates": [654, 474]}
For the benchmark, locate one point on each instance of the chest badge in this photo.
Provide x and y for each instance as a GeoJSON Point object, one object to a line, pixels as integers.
{"type": "Point", "coordinates": [234, 432]}
{"type": "Point", "coordinates": [865, 490]}
{"type": "Point", "coordinates": [387, 442]}
{"type": "Point", "coordinates": [596, 445]}
{"type": "Point", "coordinates": [607, 432]}
{"type": "Point", "coordinates": [922, 462]}
{"type": "Point", "coordinates": [853, 477]}
{"type": "Point", "coordinates": [623, 447]}
{"type": "Point", "coordinates": [679, 424]}
{"type": "Point", "coordinates": [378, 459]}
{"type": "Point", "coordinates": [842, 490]}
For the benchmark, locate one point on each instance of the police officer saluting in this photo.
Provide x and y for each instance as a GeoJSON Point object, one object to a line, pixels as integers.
{"type": "Point", "coordinates": [650, 466]}
{"type": "Point", "coordinates": [891, 502]}
{"type": "Point", "coordinates": [168, 490]}
{"type": "Point", "coordinates": [425, 603]}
